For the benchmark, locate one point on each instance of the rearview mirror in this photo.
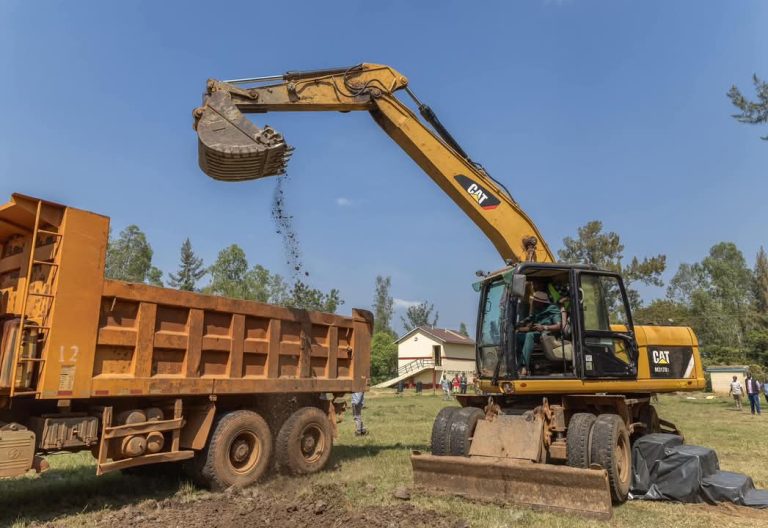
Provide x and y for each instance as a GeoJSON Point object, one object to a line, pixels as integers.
{"type": "Point", "coordinates": [517, 286]}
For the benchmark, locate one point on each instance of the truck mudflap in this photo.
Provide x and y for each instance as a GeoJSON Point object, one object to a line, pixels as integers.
{"type": "Point", "coordinates": [539, 486]}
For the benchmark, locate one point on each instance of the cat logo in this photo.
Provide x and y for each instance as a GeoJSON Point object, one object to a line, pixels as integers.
{"type": "Point", "coordinates": [661, 357]}
{"type": "Point", "coordinates": [483, 197]}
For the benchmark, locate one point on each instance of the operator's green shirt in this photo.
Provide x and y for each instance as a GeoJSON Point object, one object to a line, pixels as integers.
{"type": "Point", "coordinates": [548, 316]}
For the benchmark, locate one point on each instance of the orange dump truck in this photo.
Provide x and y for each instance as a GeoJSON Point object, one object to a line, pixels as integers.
{"type": "Point", "coordinates": [142, 375]}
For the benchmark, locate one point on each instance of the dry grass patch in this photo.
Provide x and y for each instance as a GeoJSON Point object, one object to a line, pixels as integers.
{"type": "Point", "coordinates": [366, 470]}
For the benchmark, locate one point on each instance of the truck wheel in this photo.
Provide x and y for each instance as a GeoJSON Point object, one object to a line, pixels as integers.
{"type": "Point", "coordinates": [304, 442]}
{"type": "Point", "coordinates": [238, 452]}
{"type": "Point", "coordinates": [462, 428]}
{"type": "Point", "coordinates": [610, 450]}
{"type": "Point", "coordinates": [577, 439]}
{"type": "Point", "coordinates": [440, 431]}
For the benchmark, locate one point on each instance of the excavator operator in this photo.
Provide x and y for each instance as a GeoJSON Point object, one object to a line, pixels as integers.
{"type": "Point", "coordinates": [545, 317]}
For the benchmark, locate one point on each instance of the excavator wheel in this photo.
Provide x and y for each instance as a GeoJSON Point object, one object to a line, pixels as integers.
{"type": "Point", "coordinates": [578, 439]}
{"type": "Point", "coordinates": [610, 449]}
{"type": "Point", "coordinates": [462, 428]}
{"type": "Point", "coordinates": [441, 429]}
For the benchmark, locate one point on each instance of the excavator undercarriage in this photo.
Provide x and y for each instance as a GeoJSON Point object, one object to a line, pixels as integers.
{"type": "Point", "coordinates": [573, 457]}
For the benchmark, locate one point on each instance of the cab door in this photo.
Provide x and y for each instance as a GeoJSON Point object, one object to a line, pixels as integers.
{"type": "Point", "coordinates": [607, 344]}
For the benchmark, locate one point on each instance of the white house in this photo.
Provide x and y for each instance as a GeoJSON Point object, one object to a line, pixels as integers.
{"type": "Point", "coordinates": [425, 353]}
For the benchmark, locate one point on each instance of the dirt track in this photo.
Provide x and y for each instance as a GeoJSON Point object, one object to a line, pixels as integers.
{"type": "Point", "coordinates": [322, 508]}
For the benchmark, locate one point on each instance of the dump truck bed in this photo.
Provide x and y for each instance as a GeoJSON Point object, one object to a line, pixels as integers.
{"type": "Point", "coordinates": [159, 341]}
{"type": "Point", "coordinates": [105, 338]}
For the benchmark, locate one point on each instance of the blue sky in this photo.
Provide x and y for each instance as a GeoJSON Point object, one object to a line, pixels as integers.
{"type": "Point", "coordinates": [611, 110]}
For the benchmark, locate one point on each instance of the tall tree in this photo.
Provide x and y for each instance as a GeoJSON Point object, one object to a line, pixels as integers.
{"type": "Point", "coordinates": [383, 305]}
{"type": "Point", "coordinates": [229, 273]}
{"type": "Point", "coordinates": [752, 112]}
{"type": "Point", "coordinates": [155, 276]}
{"type": "Point", "coordinates": [761, 282]}
{"type": "Point", "coordinates": [307, 298]}
{"type": "Point", "coordinates": [718, 293]}
{"type": "Point", "coordinates": [662, 312]}
{"type": "Point", "coordinates": [231, 277]}
{"type": "Point", "coordinates": [129, 258]}
{"type": "Point", "coordinates": [463, 329]}
{"type": "Point", "coordinates": [190, 270]}
{"type": "Point", "coordinates": [419, 315]}
{"type": "Point", "coordinates": [605, 250]}
{"type": "Point", "coordinates": [383, 357]}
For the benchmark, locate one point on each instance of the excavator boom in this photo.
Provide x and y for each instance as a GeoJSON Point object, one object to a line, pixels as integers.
{"type": "Point", "coordinates": [232, 148]}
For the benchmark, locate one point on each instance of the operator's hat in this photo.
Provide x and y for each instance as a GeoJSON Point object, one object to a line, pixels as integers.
{"type": "Point", "coordinates": [540, 296]}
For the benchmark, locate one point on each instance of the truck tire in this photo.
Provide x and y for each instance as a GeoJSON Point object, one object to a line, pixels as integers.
{"type": "Point", "coordinates": [577, 439]}
{"type": "Point", "coordinates": [304, 442]}
{"type": "Point", "coordinates": [462, 428]}
{"type": "Point", "coordinates": [440, 431]}
{"type": "Point", "coordinates": [238, 453]}
{"type": "Point", "coordinates": [611, 450]}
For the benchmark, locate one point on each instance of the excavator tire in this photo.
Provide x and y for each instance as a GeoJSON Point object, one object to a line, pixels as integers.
{"type": "Point", "coordinates": [610, 449]}
{"type": "Point", "coordinates": [462, 428]}
{"type": "Point", "coordinates": [441, 429]}
{"type": "Point", "coordinates": [578, 439]}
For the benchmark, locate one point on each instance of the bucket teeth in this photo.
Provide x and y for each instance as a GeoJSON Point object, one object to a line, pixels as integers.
{"type": "Point", "coordinates": [232, 148]}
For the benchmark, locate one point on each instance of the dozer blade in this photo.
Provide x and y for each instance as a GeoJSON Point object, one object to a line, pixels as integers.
{"type": "Point", "coordinates": [540, 486]}
{"type": "Point", "coordinates": [232, 148]}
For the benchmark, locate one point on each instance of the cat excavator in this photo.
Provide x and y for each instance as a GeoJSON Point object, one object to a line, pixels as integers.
{"type": "Point", "coordinates": [559, 402]}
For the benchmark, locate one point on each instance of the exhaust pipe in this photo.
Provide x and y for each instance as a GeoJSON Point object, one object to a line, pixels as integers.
{"type": "Point", "coordinates": [232, 148]}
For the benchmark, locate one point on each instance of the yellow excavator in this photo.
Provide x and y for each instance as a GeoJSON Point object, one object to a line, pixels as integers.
{"type": "Point", "coordinates": [565, 379]}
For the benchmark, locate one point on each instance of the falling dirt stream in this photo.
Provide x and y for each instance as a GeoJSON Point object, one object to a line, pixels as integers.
{"type": "Point", "coordinates": [284, 227]}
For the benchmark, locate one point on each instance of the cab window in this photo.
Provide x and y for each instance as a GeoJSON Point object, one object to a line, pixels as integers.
{"type": "Point", "coordinates": [604, 311]}
{"type": "Point", "coordinates": [602, 304]}
{"type": "Point", "coordinates": [493, 311]}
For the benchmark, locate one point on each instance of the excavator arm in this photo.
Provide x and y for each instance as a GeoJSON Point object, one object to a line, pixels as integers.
{"type": "Point", "coordinates": [232, 148]}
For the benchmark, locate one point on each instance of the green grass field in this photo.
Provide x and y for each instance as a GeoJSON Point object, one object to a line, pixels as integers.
{"type": "Point", "coordinates": [368, 469]}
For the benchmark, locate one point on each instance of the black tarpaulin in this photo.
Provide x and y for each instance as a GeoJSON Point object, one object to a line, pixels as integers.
{"type": "Point", "coordinates": [665, 469]}
{"type": "Point", "coordinates": [646, 451]}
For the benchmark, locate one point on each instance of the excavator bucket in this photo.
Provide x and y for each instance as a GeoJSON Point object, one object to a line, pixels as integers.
{"type": "Point", "coordinates": [232, 148]}
{"type": "Point", "coordinates": [547, 487]}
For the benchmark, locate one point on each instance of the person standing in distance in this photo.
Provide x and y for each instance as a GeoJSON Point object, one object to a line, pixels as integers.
{"type": "Point", "coordinates": [735, 391]}
{"type": "Point", "coordinates": [358, 400]}
{"type": "Point", "coordinates": [753, 393]}
{"type": "Point", "coordinates": [765, 389]}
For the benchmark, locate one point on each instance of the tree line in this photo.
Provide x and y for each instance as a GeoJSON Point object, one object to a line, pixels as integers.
{"type": "Point", "coordinates": [129, 258]}
{"type": "Point", "coordinates": [722, 297]}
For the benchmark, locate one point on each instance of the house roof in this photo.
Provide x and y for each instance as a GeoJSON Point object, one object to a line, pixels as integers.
{"type": "Point", "coordinates": [440, 334]}
{"type": "Point", "coordinates": [727, 368]}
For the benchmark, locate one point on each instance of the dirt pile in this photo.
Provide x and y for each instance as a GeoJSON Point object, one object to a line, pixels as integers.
{"type": "Point", "coordinates": [323, 507]}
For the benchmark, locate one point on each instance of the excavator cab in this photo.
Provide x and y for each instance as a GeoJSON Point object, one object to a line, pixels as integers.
{"type": "Point", "coordinates": [593, 338]}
